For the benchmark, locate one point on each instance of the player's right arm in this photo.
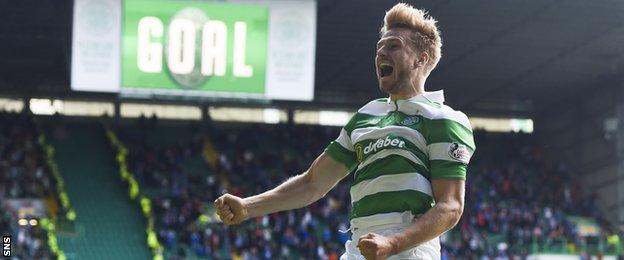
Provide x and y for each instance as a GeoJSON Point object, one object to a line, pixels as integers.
{"type": "Point", "coordinates": [297, 192]}
{"type": "Point", "coordinates": [336, 162]}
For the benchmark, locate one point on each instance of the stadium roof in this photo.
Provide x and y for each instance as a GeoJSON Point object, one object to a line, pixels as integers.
{"type": "Point", "coordinates": [499, 57]}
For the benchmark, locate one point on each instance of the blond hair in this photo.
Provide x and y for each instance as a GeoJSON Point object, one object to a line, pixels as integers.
{"type": "Point", "coordinates": [426, 34]}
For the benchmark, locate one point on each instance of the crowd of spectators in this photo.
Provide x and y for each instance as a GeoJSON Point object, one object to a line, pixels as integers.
{"type": "Point", "coordinates": [517, 202]}
{"type": "Point", "coordinates": [252, 165]}
{"type": "Point", "coordinates": [23, 175]}
{"type": "Point", "coordinates": [168, 174]}
{"type": "Point", "coordinates": [515, 199]}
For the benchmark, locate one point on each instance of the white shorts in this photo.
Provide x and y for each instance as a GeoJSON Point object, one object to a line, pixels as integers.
{"type": "Point", "coordinates": [429, 250]}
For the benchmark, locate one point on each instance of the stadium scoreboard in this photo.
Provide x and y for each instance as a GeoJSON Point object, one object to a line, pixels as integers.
{"type": "Point", "coordinates": [233, 49]}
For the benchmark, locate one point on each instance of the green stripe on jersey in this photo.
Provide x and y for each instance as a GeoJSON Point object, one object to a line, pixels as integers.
{"type": "Point", "coordinates": [393, 164]}
{"type": "Point", "coordinates": [341, 154]}
{"type": "Point", "coordinates": [441, 169]}
{"type": "Point", "coordinates": [433, 130]}
{"type": "Point", "coordinates": [449, 131]}
{"type": "Point", "coordinates": [420, 131]}
{"type": "Point", "coordinates": [392, 201]}
{"type": "Point", "coordinates": [360, 120]}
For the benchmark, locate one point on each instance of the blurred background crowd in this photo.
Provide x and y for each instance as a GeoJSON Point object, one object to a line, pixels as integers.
{"type": "Point", "coordinates": [517, 202]}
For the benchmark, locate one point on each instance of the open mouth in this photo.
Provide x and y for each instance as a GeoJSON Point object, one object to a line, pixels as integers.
{"type": "Point", "coordinates": [385, 70]}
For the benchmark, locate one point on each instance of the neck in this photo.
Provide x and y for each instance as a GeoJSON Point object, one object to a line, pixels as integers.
{"type": "Point", "coordinates": [414, 88]}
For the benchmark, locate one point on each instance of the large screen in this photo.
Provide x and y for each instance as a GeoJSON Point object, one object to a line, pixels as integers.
{"type": "Point", "coordinates": [239, 49]}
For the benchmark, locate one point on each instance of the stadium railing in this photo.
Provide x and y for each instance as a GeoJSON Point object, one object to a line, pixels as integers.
{"type": "Point", "coordinates": [134, 192]}
{"type": "Point", "coordinates": [49, 225]}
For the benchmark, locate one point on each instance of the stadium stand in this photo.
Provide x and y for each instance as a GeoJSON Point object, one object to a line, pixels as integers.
{"type": "Point", "coordinates": [107, 218]}
{"type": "Point", "coordinates": [518, 203]}
{"type": "Point", "coordinates": [507, 212]}
{"type": "Point", "coordinates": [170, 169]}
{"type": "Point", "coordinates": [24, 175]}
{"type": "Point", "coordinates": [185, 186]}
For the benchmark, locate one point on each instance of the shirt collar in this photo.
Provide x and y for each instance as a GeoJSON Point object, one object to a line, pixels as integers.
{"type": "Point", "coordinates": [433, 96]}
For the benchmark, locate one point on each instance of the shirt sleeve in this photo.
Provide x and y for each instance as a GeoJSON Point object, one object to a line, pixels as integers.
{"type": "Point", "coordinates": [450, 147]}
{"type": "Point", "coordinates": [342, 150]}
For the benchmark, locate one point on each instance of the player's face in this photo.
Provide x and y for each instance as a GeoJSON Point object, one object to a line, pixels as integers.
{"type": "Point", "coordinates": [395, 60]}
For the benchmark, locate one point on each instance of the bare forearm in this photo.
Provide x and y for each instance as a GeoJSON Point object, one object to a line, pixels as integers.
{"type": "Point", "coordinates": [294, 193]}
{"type": "Point", "coordinates": [432, 224]}
{"type": "Point", "coordinates": [298, 191]}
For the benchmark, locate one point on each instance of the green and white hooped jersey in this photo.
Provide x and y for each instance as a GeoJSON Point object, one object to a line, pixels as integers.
{"type": "Point", "coordinates": [396, 148]}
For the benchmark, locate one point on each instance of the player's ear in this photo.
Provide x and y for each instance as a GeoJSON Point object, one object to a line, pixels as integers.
{"type": "Point", "coordinates": [423, 59]}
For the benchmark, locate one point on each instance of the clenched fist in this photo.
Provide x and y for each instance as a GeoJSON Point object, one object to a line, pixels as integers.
{"type": "Point", "coordinates": [231, 209]}
{"type": "Point", "coordinates": [375, 247]}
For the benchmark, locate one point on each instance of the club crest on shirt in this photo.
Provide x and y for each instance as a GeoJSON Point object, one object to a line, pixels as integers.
{"type": "Point", "coordinates": [410, 120]}
{"type": "Point", "coordinates": [459, 152]}
{"type": "Point", "coordinates": [359, 152]}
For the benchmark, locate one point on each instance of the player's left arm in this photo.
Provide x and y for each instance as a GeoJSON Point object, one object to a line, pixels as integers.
{"type": "Point", "coordinates": [449, 196]}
